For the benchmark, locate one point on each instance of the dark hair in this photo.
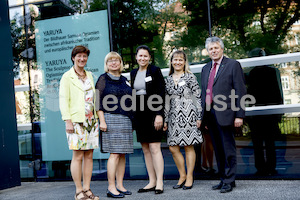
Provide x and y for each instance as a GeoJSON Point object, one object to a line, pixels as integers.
{"type": "Point", "coordinates": [79, 49]}
{"type": "Point", "coordinates": [257, 52]}
{"type": "Point", "coordinates": [145, 47]}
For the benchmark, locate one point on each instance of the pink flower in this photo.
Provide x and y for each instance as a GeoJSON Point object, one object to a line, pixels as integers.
{"type": "Point", "coordinates": [90, 115]}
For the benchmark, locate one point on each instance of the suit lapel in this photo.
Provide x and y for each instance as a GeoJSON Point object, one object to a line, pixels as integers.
{"type": "Point", "coordinates": [207, 74]}
{"type": "Point", "coordinates": [74, 79]}
{"type": "Point", "coordinates": [149, 73]}
{"type": "Point", "coordinates": [221, 68]}
{"type": "Point", "coordinates": [134, 73]}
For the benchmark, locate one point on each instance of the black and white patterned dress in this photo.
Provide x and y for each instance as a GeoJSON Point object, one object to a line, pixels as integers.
{"type": "Point", "coordinates": [182, 110]}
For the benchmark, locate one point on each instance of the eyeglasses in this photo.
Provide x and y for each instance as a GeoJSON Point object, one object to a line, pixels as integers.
{"type": "Point", "coordinates": [113, 61]}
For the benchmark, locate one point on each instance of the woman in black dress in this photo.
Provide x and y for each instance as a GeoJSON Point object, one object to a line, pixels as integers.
{"type": "Point", "coordinates": [149, 84]}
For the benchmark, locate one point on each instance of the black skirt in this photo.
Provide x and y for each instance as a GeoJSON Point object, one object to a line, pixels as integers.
{"type": "Point", "coordinates": [144, 122]}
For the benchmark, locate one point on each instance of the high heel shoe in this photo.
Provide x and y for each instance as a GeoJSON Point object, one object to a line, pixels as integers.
{"type": "Point", "coordinates": [179, 186]}
{"type": "Point", "coordinates": [109, 194]}
{"type": "Point", "coordinates": [142, 190]}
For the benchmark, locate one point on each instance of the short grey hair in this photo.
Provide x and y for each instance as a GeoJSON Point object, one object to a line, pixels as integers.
{"type": "Point", "coordinates": [213, 39]}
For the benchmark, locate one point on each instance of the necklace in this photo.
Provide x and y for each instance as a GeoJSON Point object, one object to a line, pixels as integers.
{"type": "Point", "coordinates": [176, 77]}
{"type": "Point", "coordinates": [81, 77]}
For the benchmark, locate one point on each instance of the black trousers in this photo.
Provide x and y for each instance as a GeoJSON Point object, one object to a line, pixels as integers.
{"type": "Point", "coordinates": [224, 146]}
{"type": "Point", "coordinates": [264, 130]}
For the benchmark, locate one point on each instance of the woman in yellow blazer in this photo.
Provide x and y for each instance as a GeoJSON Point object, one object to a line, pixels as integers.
{"type": "Point", "coordinates": [77, 106]}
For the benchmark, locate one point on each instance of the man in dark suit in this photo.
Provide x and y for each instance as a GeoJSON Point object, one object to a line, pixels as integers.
{"type": "Point", "coordinates": [264, 84]}
{"type": "Point", "coordinates": [223, 86]}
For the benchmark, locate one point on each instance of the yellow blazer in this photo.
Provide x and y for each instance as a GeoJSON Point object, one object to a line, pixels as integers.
{"type": "Point", "coordinates": [71, 97]}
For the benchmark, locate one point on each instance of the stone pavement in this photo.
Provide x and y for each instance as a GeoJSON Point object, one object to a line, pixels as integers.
{"type": "Point", "coordinates": [245, 190]}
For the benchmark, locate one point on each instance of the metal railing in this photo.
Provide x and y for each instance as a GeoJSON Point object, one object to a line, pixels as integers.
{"type": "Point", "coordinates": [247, 62]}
{"type": "Point", "coordinates": [252, 62]}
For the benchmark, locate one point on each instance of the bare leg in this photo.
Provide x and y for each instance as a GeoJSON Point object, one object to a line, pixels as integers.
{"type": "Point", "coordinates": [120, 172]}
{"type": "Point", "coordinates": [76, 169]}
{"type": "Point", "coordinates": [149, 166]}
{"type": "Point", "coordinates": [158, 163]}
{"type": "Point", "coordinates": [112, 164]}
{"type": "Point", "coordinates": [190, 156]}
{"type": "Point", "coordinates": [87, 169]}
{"type": "Point", "coordinates": [179, 161]}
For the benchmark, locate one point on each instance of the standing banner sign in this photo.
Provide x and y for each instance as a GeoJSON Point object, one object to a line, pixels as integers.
{"type": "Point", "coordinates": [55, 39]}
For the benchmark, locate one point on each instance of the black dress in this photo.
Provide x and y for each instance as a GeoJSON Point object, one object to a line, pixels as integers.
{"type": "Point", "coordinates": [144, 118]}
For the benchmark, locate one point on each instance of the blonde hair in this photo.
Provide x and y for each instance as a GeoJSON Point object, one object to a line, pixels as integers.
{"type": "Point", "coordinates": [111, 55]}
{"type": "Point", "coordinates": [186, 68]}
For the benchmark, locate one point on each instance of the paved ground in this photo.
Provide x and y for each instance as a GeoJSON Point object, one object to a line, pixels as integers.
{"type": "Point", "coordinates": [245, 190]}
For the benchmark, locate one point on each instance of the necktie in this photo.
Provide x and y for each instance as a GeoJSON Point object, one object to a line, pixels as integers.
{"type": "Point", "coordinates": [210, 84]}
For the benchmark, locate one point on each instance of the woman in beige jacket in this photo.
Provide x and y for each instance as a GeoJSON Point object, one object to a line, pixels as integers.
{"type": "Point", "coordinates": [77, 106]}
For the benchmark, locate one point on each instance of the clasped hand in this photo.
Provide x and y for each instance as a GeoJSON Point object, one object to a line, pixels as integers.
{"type": "Point", "coordinates": [158, 122]}
{"type": "Point", "coordinates": [69, 126]}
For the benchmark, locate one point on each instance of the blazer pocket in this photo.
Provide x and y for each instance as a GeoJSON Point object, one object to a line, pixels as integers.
{"type": "Point", "coordinates": [73, 111]}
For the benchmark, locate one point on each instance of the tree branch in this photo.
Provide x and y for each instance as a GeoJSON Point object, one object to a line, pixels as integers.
{"type": "Point", "coordinates": [295, 18]}
{"type": "Point", "coordinates": [282, 18]}
{"type": "Point", "coordinates": [263, 10]}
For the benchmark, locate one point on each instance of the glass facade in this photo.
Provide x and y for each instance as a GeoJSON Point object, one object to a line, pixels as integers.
{"type": "Point", "coordinates": [281, 129]}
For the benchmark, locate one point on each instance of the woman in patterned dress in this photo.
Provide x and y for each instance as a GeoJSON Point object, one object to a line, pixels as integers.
{"type": "Point", "coordinates": [182, 117]}
{"type": "Point", "coordinates": [115, 122]}
{"type": "Point", "coordinates": [77, 106]}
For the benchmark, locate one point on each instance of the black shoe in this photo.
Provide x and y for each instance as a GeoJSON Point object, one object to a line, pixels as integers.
{"type": "Point", "coordinates": [125, 193]}
{"type": "Point", "coordinates": [109, 194]}
{"type": "Point", "coordinates": [187, 187]}
{"type": "Point", "coordinates": [272, 172]}
{"type": "Point", "coordinates": [158, 191]}
{"type": "Point", "coordinates": [202, 170]}
{"type": "Point", "coordinates": [142, 190]}
{"type": "Point", "coordinates": [226, 188]}
{"type": "Point", "coordinates": [217, 187]}
{"type": "Point", "coordinates": [261, 173]}
{"type": "Point", "coordinates": [232, 184]}
{"type": "Point", "coordinates": [179, 186]}
{"type": "Point", "coordinates": [210, 171]}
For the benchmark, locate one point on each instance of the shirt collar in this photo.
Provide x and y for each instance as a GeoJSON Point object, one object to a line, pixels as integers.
{"type": "Point", "coordinates": [218, 61]}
